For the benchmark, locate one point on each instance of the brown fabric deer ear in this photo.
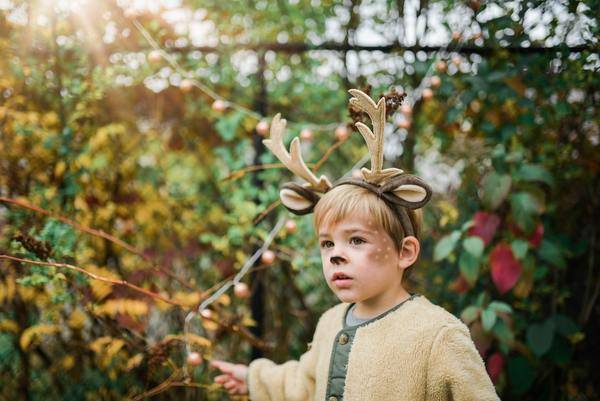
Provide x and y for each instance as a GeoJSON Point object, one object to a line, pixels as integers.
{"type": "Point", "coordinates": [406, 190]}
{"type": "Point", "coordinates": [298, 199]}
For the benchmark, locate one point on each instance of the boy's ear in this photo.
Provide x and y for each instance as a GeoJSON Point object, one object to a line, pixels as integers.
{"type": "Point", "coordinates": [409, 252]}
{"type": "Point", "coordinates": [298, 199]}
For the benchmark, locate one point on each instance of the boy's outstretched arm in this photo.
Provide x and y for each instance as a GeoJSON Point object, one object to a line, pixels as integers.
{"type": "Point", "coordinates": [456, 371]}
{"type": "Point", "coordinates": [290, 381]}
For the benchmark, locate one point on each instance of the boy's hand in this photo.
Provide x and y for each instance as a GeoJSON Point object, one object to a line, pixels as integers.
{"type": "Point", "coordinates": [233, 377]}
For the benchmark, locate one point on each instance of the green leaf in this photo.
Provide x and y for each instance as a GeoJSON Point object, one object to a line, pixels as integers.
{"type": "Point", "coordinates": [519, 248]}
{"type": "Point", "coordinates": [503, 332]}
{"type": "Point", "coordinates": [520, 374]}
{"type": "Point", "coordinates": [498, 306]}
{"type": "Point", "coordinates": [470, 314]}
{"type": "Point", "coordinates": [561, 351]}
{"type": "Point", "coordinates": [552, 254]}
{"type": "Point", "coordinates": [474, 245]}
{"type": "Point", "coordinates": [539, 336]}
{"type": "Point", "coordinates": [488, 319]}
{"type": "Point", "coordinates": [227, 125]}
{"type": "Point", "coordinates": [495, 189]}
{"type": "Point", "coordinates": [445, 246]}
{"type": "Point", "coordinates": [534, 172]}
{"type": "Point", "coordinates": [469, 267]}
{"type": "Point", "coordinates": [564, 325]}
{"type": "Point", "coordinates": [524, 209]}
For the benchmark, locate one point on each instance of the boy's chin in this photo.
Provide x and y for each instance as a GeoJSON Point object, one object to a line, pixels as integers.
{"type": "Point", "coordinates": [346, 298]}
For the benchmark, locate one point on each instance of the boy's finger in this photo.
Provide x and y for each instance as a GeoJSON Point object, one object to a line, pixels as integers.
{"type": "Point", "coordinates": [222, 365]}
{"type": "Point", "coordinates": [221, 378]}
{"type": "Point", "coordinates": [230, 385]}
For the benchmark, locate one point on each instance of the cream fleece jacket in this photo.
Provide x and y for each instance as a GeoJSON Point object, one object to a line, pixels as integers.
{"type": "Point", "coordinates": [416, 352]}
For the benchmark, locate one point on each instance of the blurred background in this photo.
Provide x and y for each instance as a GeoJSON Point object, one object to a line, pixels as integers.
{"type": "Point", "coordinates": [130, 149]}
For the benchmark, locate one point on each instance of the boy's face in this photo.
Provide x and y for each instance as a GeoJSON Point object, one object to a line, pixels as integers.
{"type": "Point", "coordinates": [360, 262]}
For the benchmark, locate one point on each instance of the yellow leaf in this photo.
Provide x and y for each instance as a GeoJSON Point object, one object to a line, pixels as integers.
{"type": "Point", "coordinates": [98, 344]}
{"type": "Point", "coordinates": [131, 307]}
{"type": "Point", "coordinates": [101, 289]}
{"type": "Point", "coordinates": [161, 305]}
{"type": "Point", "coordinates": [187, 298]}
{"type": "Point", "coordinates": [10, 288]}
{"type": "Point", "coordinates": [60, 168]}
{"type": "Point", "coordinates": [134, 361]}
{"type": "Point", "coordinates": [224, 300]}
{"type": "Point", "coordinates": [27, 293]}
{"type": "Point", "coordinates": [248, 321]}
{"type": "Point", "coordinates": [68, 362]}
{"type": "Point", "coordinates": [209, 325]}
{"type": "Point", "coordinates": [80, 203]}
{"type": "Point", "coordinates": [113, 348]}
{"type": "Point", "coordinates": [33, 332]}
{"type": "Point", "coordinates": [77, 319]}
{"type": "Point", "coordinates": [9, 325]}
{"type": "Point", "coordinates": [191, 338]}
{"type": "Point", "coordinates": [50, 120]}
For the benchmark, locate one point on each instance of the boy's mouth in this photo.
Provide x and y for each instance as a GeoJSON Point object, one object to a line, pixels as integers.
{"type": "Point", "coordinates": [340, 276]}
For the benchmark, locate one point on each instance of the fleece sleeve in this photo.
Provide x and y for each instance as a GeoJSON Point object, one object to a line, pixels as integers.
{"type": "Point", "coordinates": [290, 381]}
{"type": "Point", "coordinates": [456, 371]}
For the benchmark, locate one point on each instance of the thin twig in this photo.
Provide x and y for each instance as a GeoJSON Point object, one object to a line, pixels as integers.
{"type": "Point", "coordinates": [232, 327]}
{"type": "Point", "coordinates": [235, 175]}
{"type": "Point", "coordinates": [328, 153]}
{"type": "Point", "coordinates": [96, 277]}
{"type": "Point", "coordinates": [266, 211]}
{"type": "Point", "coordinates": [97, 233]}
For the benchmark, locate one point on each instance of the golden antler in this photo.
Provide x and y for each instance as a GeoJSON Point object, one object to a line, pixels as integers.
{"type": "Point", "coordinates": [293, 160]}
{"type": "Point", "coordinates": [373, 138]}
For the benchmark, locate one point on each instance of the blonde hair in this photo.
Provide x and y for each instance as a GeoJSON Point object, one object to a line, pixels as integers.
{"type": "Point", "coordinates": [344, 200]}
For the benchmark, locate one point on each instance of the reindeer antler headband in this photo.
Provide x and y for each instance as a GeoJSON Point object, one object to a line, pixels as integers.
{"type": "Point", "coordinates": [398, 190]}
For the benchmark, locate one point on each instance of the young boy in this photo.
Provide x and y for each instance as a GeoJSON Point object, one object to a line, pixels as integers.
{"type": "Point", "coordinates": [381, 342]}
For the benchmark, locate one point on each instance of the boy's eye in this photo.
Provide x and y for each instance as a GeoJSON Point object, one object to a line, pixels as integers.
{"type": "Point", "coordinates": [360, 240]}
{"type": "Point", "coordinates": [325, 244]}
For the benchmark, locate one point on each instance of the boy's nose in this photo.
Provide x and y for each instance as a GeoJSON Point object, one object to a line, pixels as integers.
{"type": "Point", "coordinates": [336, 260]}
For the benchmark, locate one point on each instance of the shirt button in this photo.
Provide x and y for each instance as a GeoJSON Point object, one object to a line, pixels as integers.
{"type": "Point", "coordinates": [332, 398]}
{"type": "Point", "coordinates": [343, 339]}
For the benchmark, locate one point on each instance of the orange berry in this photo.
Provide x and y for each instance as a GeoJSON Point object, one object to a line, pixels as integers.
{"type": "Point", "coordinates": [219, 105]}
{"type": "Point", "coordinates": [306, 134]}
{"type": "Point", "coordinates": [154, 56]}
{"type": "Point", "coordinates": [341, 133]}
{"type": "Point", "coordinates": [290, 226]}
{"type": "Point", "coordinates": [435, 81]}
{"type": "Point", "coordinates": [427, 94]}
{"type": "Point", "coordinates": [262, 128]}
{"type": "Point", "coordinates": [186, 85]}
{"type": "Point", "coordinates": [268, 257]}
{"type": "Point", "coordinates": [241, 290]}
{"type": "Point", "coordinates": [194, 359]}
{"type": "Point", "coordinates": [441, 66]}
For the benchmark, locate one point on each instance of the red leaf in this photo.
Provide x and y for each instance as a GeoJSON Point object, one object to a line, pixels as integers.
{"type": "Point", "coordinates": [485, 226]}
{"type": "Point", "coordinates": [506, 269]}
{"type": "Point", "coordinates": [459, 285]}
{"type": "Point", "coordinates": [536, 238]}
{"type": "Point", "coordinates": [494, 366]}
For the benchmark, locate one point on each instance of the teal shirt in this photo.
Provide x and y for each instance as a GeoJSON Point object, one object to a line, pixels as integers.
{"type": "Point", "coordinates": [341, 350]}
